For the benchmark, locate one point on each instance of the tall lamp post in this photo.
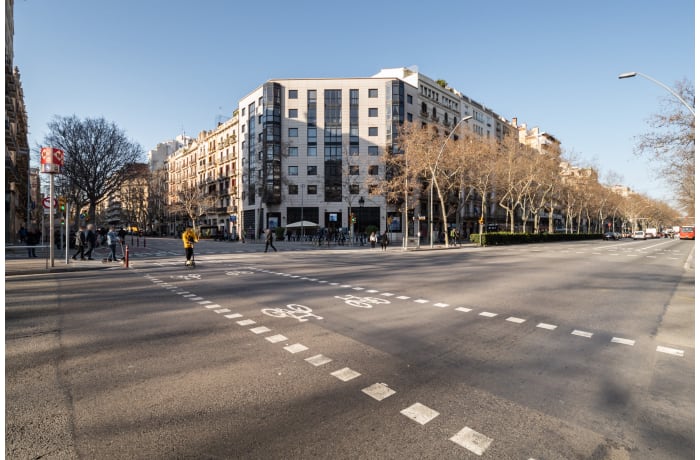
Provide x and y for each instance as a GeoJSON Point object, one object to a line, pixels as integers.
{"type": "Point", "coordinates": [676, 95]}
{"type": "Point", "coordinates": [432, 179]}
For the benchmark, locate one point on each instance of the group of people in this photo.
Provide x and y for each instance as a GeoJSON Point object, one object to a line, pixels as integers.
{"type": "Point", "coordinates": [383, 240]}
{"type": "Point", "coordinates": [86, 240]}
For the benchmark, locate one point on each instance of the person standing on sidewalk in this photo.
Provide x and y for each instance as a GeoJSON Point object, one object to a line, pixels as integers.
{"type": "Point", "coordinates": [268, 240]}
{"type": "Point", "coordinates": [91, 241]}
{"type": "Point", "coordinates": [79, 243]}
{"type": "Point", "coordinates": [384, 239]}
{"type": "Point", "coordinates": [33, 238]}
{"type": "Point", "coordinates": [112, 240]}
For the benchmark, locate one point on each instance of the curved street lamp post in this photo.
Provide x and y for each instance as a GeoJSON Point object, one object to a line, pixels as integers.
{"type": "Point", "coordinates": [676, 95]}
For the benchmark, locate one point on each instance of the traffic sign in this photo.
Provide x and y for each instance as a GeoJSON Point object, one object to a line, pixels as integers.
{"type": "Point", "coordinates": [46, 202]}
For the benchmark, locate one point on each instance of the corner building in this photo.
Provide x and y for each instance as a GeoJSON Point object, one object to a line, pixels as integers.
{"type": "Point", "coordinates": [309, 147]}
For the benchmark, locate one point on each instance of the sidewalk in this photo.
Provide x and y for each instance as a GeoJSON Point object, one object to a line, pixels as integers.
{"type": "Point", "coordinates": [40, 265]}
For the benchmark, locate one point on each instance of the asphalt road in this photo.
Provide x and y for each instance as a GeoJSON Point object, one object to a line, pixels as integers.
{"type": "Point", "coordinates": [567, 350]}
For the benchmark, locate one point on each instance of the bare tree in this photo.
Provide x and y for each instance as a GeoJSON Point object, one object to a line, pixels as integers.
{"type": "Point", "coordinates": [671, 144]}
{"type": "Point", "coordinates": [96, 155]}
{"type": "Point", "coordinates": [194, 202]}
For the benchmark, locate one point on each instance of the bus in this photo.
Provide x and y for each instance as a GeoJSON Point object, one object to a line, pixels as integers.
{"type": "Point", "coordinates": [687, 232]}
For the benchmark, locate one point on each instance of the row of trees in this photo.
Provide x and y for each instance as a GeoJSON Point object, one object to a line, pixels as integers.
{"type": "Point", "coordinates": [525, 183]}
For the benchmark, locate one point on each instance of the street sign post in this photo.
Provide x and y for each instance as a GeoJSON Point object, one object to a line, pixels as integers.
{"type": "Point", "coordinates": [51, 162]}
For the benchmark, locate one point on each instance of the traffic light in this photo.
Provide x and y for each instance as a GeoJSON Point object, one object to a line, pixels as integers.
{"type": "Point", "coordinates": [353, 218]}
{"type": "Point", "coordinates": [62, 203]}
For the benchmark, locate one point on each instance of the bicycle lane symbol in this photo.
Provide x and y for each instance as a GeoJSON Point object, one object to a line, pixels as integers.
{"type": "Point", "coordinates": [300, 313]}
{"type": "Point", "coordinates": [362, 302]}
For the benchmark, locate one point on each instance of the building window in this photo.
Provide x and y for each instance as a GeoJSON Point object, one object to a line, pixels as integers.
{"type": "Point", "coordinates": [373, 112]}
{"type": "Point", "coordinates": [311, 189]}
{"type": "Point", "coordinates": [354, 150]}
{"type": "Point", "coordinates": [293, 132]}
{"type": "Point", "coordinates": [354, 189]}
{"type": "Point", "coordinates": [373, 92]}
{"type": "Point", "coordinates": [373, 131]}
{"type": "Point", "coordinates": [311, 151]}
{"type": "Point", "coordinates": [409, 99]}
{"type": "Point", "coordinates": [293, 94]}
{"type": "Point", "coordinates": [293, 189]}
{"type": "Point", "coordinates": [293, 170]}
{"type": "Point", "coordinates": [354, 170]}
{"type": "Point", "coordinates": [293, 151]}
{"type": "Point", "coordinates": [373, 170]}
{"type": "Point", "coordinates": [373, 150]}
{"type": "Point", "coordinates": [293, 113]}
{"type": "Point", "coordinates": [409, 116]}
{"type": "Point", "coordinates": [311, 170]}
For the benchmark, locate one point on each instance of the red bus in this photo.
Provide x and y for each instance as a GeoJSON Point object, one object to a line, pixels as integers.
{"type": "Point", "coordinates": [687, 232]}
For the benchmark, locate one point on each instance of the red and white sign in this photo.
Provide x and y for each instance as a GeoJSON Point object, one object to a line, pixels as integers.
{"type": "Point", "coordinates": [50, 155]}
{"type": "Point", "coordinates": [46, 202]}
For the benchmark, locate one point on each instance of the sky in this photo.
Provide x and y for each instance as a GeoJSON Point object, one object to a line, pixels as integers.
{"type": "Point", "coordinates": [160, 68]}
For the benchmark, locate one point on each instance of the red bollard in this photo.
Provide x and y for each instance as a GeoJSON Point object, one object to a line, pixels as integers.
{"type": "Point", "coordinates": [126, 257]}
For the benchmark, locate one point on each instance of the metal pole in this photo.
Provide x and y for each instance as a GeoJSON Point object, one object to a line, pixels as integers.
{"type": "Point", "coordinates": [52, 212]}
{"type": "Point", "coordinates": [676, 95]}
{"type": "Point", "coordinates": [67, 230]}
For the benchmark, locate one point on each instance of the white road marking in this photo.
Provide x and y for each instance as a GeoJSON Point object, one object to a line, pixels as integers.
{"type": "Point", "coordinates": [513, 319]}
{"type": "Point", "coordinates": [585, 334]}
{"type": "Point", "coordinates": [296, 348]}
{"type": "Point", "coordinates": [403, 297]}
{"type": "Point", "coordinates": [245, 322]}
{"type": "Point", "coordinates": [464, 309]}
{"type": "Point", "coordinates": [222, 310]}
{"type": "Point", "coordinates": [488, 314]}
{"type": "Point", "coordinates": [318, 360]}
{"type": "Point", "coordinates": [421, 301]}
{"type": "Point", "coordinates": [420, 413]}
{"type": "Point", "coordinates": [358, 288]}
{"type": "Point", "coordinates": [378, 391]}
{"type": "Point", "coordinates": [472, 440]}
{"type": "Point", "coordinates": [233, 315]}
{"type": "Point", "coordinates": [622, 341]}
{"type": "Point", "coordinates": [196, 298]}
{"type": "Point", "coordinates": [441, 305]}
{"type": "Point", "coordinates": [345, 374]}
{"type": "Point", "coordinates": [372, 291]}
{"type": "Point", "coordinates": [190, 295]}
{"type": "Point", "coordinates": [204, 302]}
{"type": "Point", "coordinates": [276, 338]}
{"type": "Point", "coordinates": [214, 305]}
{"type": "Point", "coordinates": [670, 351]}
{"type": "Point", "coordinates": [260, 330]}
{"type": "Point", "coordinates": [386, 294]}
{"type": "Point", "coordinates": [549, 327]}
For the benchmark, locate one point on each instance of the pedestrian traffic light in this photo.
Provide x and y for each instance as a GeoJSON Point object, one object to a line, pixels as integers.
{"type": "Point", "coordinates": [62, 203]}
{"type": "Point", "coordinates": [353, 218]}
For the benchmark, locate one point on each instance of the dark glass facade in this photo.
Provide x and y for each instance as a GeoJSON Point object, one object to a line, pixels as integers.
{"type": "Point", "coordinates": [272, 143]}
{"type": "Point", "coordinates": [333, 145]}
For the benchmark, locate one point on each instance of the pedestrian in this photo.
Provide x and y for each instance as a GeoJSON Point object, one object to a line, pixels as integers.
{"type": "Point", "coordinates": [112, 240]}
{"type": "Point", "coordinates": [79, 243]}
{"type": "Point", "coordinates": [90, 241]}
{"type": "Point", "coordinates": [189, 238]}
{"type": "Point", "coordinates": [22, 234]}
{"type": "Point", "coordinates": [384, 240]}
{"type": "Point", "coordinates": [373, 240]}
{"type": "Point", "coordinates": [122, 236]}
{"type": "Point", "coordinates": [268, 240]}
{"type": "Point", "coordinates": [33, 238]}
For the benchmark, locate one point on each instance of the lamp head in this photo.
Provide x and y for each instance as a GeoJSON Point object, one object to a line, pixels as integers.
{"type": "Point", "coordinates": [627, 75]}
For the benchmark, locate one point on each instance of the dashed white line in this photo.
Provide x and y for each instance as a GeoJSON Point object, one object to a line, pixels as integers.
{"type": "Point", "coordinates": [318, 360]}
{"type": "Point", "coordinates": [222, 310]}
{"type": "Point", "coordinates": [245, 322]}
{"type": "Point", "coordinates": [670, 351]}
{"type": "Point", "coordinates": [204, 302]}
{"type": "Point", "coordinates": [296, 348]}
{"type": "Point", "coordinates": [585, 334]}
{"type": "Point", "coordinates": [420, 413]}
{"type": "Point", "coordinates": [472, 440]}
{"type": "Point", "coordinates": [441, 305]}
{"type": "Point", "coordinates": [345, 374]}
{"type": "Point", "coordinates": [622, 341]}
{"type": "Point", "coordinates": [378, 391]}
{"type": "Point", "coordinates": [464, 309]}
{"type": "Point", "coordinates": [402, 297]}
{"type": "Point", "coordinates": [276, 338]}
{"type": "Point", "coordinates": [260, 330]}
{"type": "Point", "coordinates": [386, 294]}
{"type": "Point", "coordinates": [421, 301]}
{"type": "Point", "coordinates": [513, 319]}
{"type": "Point", "coordinates": [488, 314]}
{"type": "Point", "coordinates": [233, 315]}
{"type": "Point", "coordinates": [196, 298]}
{"type": "Point", "coordinates": [549, 327]}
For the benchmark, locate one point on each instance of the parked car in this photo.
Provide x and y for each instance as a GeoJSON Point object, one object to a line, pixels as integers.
{"type": "Point", "coordinates": [611, 236]}
{"type": "Point", "coordinates": [639, 235]}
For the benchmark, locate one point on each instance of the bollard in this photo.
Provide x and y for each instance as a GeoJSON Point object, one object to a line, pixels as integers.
{"type": "Point", "coordinates": [126, 257]}
{"type": "Point", "coordinates": [144, 241]}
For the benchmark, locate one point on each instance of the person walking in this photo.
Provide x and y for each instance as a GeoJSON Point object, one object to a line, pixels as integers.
{"type": "Point", "coordinates": [373, 240]}
{"type": "Point", "coordinates": [112, 240]}
{"type": "Point", "coordinates": [90, 241]}
{"type": "Point", "coordinates": [268, 240]}
{"type": "Point", "coordinates": [79, 243]}
{"type": "Point", "coordinates": [384, 239]}
{"type": "Point", "coordinates": [189, 237]}
{"type": "Point", "coordinates": [33, 238]}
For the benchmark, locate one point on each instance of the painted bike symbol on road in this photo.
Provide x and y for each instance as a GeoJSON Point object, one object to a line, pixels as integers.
{"type": "Point", "coordinates": [361, 302]}
{"type": "Point", "coordinates": [296, 311]}
{"type": "Point", "coordinates": [192, 276]}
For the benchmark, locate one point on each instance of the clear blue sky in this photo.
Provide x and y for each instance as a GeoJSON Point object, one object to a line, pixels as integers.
{"type": "Point", "coordinates": [160, 67]}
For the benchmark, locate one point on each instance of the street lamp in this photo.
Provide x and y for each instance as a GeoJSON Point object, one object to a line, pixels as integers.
{"type": "Point", "coordinates": [676, 95]}
{"type": "Point", "coordinates": [432, 179]}
{"type": "Point", "coordinates": [359, 215]}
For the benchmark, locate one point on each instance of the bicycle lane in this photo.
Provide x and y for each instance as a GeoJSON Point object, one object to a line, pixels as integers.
{"type": "Point", "coordinates": [314, 326]}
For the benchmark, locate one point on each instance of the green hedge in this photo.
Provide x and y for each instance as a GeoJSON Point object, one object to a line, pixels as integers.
{"type": "Point", "coordinates": [499, 238]}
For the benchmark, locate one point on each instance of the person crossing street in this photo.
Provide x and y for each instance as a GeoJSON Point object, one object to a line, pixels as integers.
{"type": "Point", "coordinates": [189, 237]}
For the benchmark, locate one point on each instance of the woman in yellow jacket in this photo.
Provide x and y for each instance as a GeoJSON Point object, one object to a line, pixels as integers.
{"type": "Point", "coordinates": [189, 237]}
